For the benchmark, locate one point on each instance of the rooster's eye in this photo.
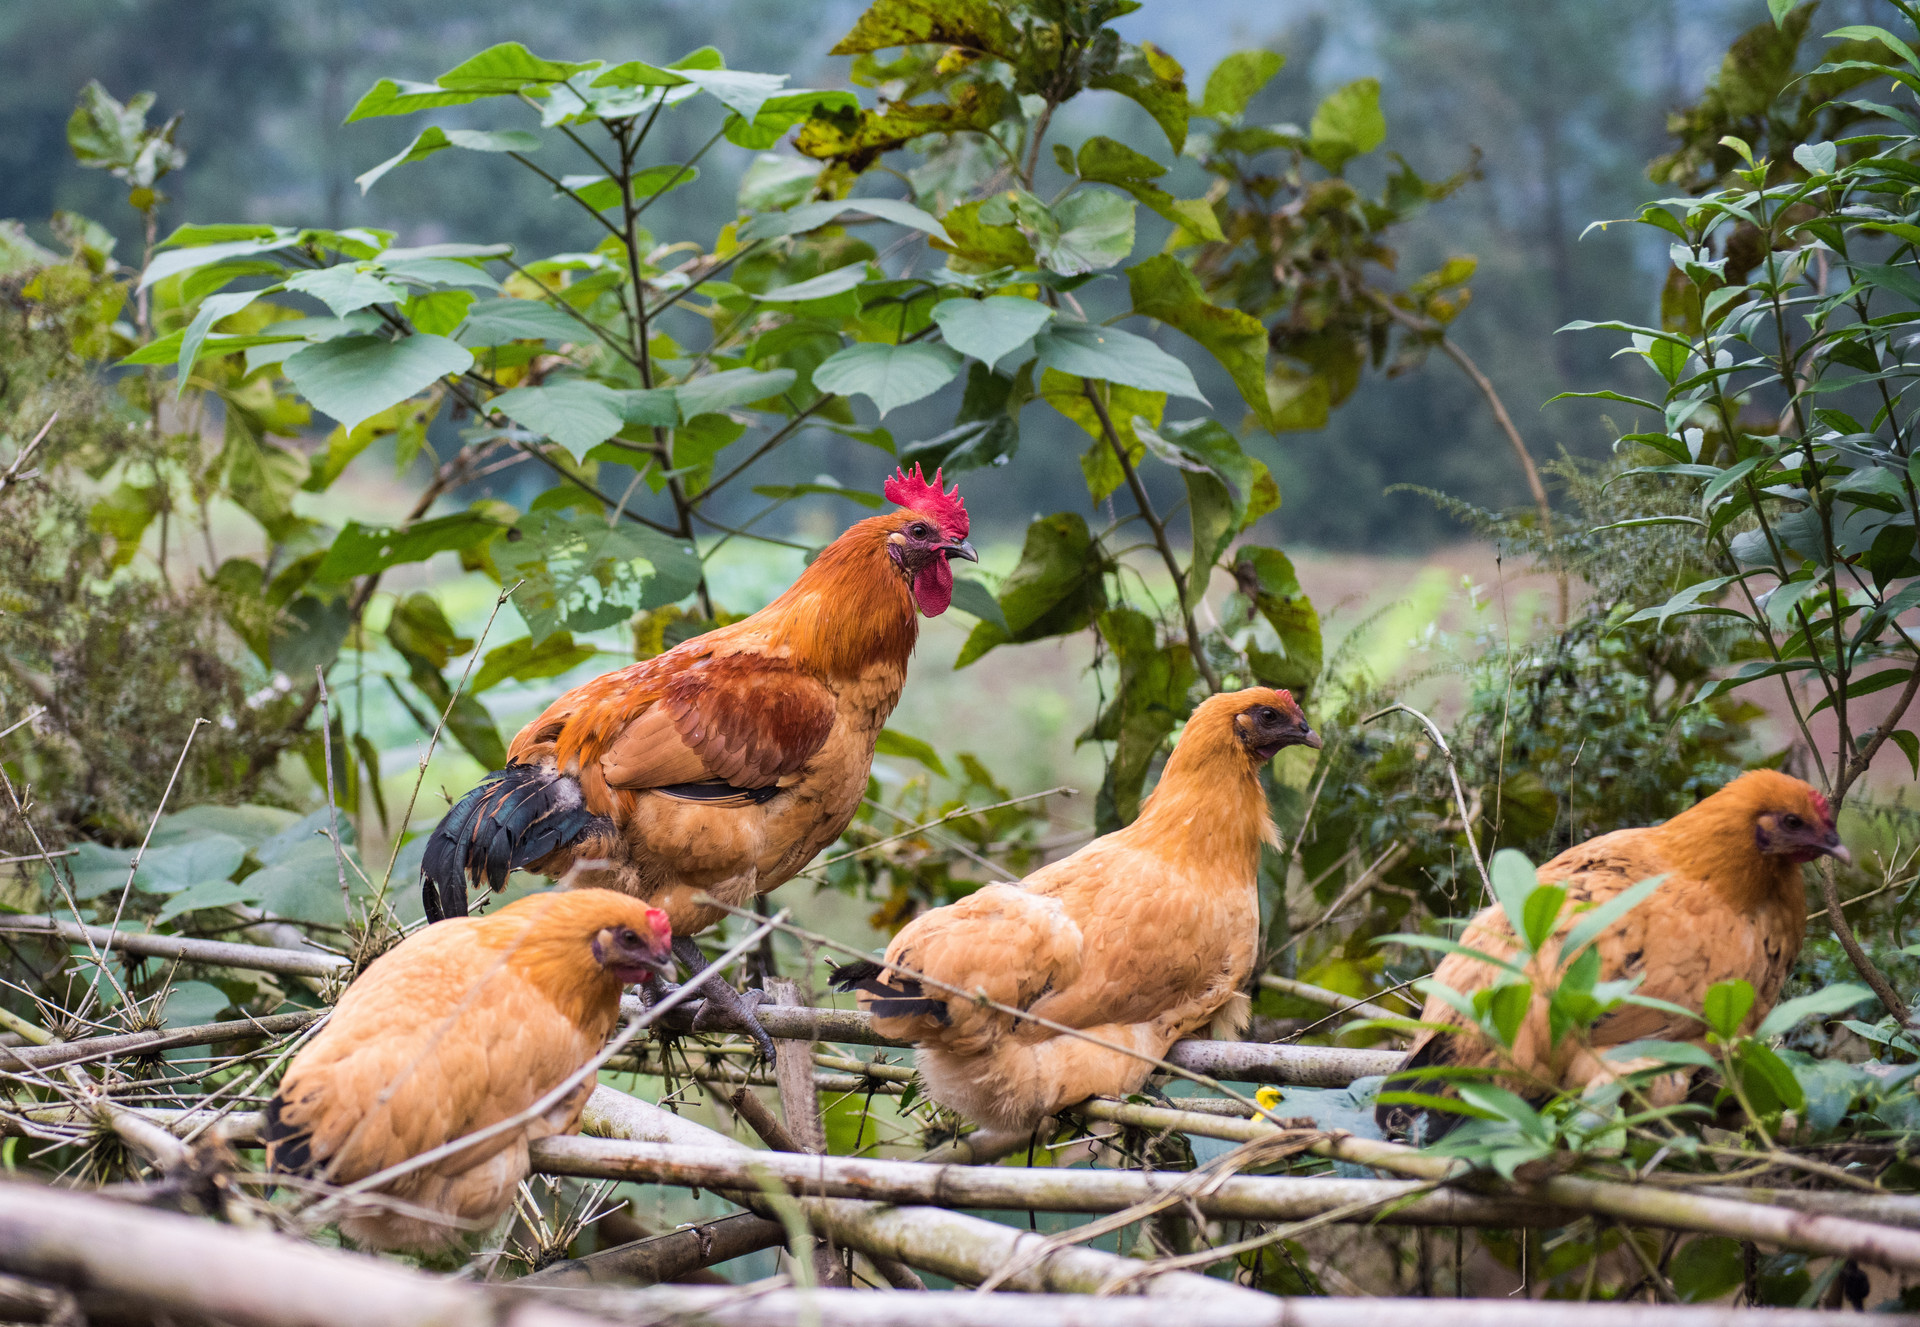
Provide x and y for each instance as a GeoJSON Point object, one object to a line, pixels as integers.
{"type": "Point", "coordinates": [919, 532]}
{"type": "Point", "coordinates": [1792, 822]}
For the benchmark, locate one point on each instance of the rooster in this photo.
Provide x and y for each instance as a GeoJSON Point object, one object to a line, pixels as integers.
{"type": "Point", "coordinates": [457, 1028]}
{"type": "Point", "coordinates": [1140, 938]}
{"type": "Point", "coordinates": [1732, 906]}
{"type": "Point", "coordinates": [724, 765]}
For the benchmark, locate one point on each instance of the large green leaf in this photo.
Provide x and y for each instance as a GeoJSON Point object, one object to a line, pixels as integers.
{"type": "Point", "coordinates": [1057, 588]}
{"type": "Point", "coordinates": [575, 412]}
{"type": "Point", "coordinates": [1236, 79]}
{"type": "Point", "coordinates": [435, 139]}
{"type": "Point", "coordinates": [716, 392]}
{"type": "Point", "coordinates": [509, 67]}
{"type": "Point", "coordinates": [1086, 231]}
{"type": "Point", "coordinates": [1205, 444]}
{"type": "Point", "coordinates": [1111, 355]}
{"type": "Point", "coordinates": [1154, 79]}
{"type": "Point", "coordinates": [889, 376]}
{"type": "Point", "coordinates": [1114, 163]}
{"type": "Point", "coordinates": [812, 216]}
{"type": "Point", "coordinates": [344, 287]}
{"type": "Point", "coordinates": [1266, 576]}
{"type": "Point", "coordinates": [492, 322]}
{"type": "Point", "coordinates": [172, 262]}
{"type": "Point", "coordinates": [1347, 124]}
{"type": "Point", "coordinates": [352, 377]}
{"type": "Point", "coordinates": [976, 25]}
{"type": "Point", "coordinates": [524, 661]}
{"type": "Point", "coordinates": [584, 574]}
{"type": "Point", "coordinates": [1166, 289]}
{"type": "Point", "coordinates": [362, 550]}
{"type": "Point", "coordinates": [988, 328]}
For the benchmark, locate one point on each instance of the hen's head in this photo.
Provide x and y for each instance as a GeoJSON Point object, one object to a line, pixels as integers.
{"type": "Point", "coordinates": [1256, 723]}
{"type": "Point", "coordinates": [1790, 817]}
{"type": "Point", "coordinates": [1786, 816]}
{"type": "Point", "coordinates": [930, 529]}
{"type": "Point", "coordinates": [576, 935]}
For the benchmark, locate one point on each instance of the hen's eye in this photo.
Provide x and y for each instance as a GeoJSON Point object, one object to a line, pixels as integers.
{"type": "Point", "coordinates": [1792, 822]}
{"type": "Point", "coordinates": [1266, 714]}
{"type": "Point", "coordinates": [627, 937]}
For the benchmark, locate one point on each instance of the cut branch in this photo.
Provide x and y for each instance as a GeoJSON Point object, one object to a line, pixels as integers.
{"type": "Point", "coordinates": [148, 1043]}
{"type": "Point", "coordinates": [219, 953]}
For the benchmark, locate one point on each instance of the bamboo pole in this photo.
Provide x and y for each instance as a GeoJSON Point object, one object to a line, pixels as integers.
{"type": "Point", "coordinates": [1636, 1204]}
{"type": "Point", "coordinates": [169, 1264]}
{"type": "Point", "coordinates": [718, 1306]}
{"type": "Point", "coordinates": [1237, 1061]}
{"type": "Point", "coordinates": [1320, 995]}
{"type": "Point", "coordinates": [961, 1248]}
{"type": "Point", "coordinates": [150, 1043]}
{"type": "Point", "coordinates": [1241, 1198]}
{"type": "Point", "coordinates": [186, 949]}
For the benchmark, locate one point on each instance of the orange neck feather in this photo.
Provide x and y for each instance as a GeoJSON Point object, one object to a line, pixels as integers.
{"type": "Point", "coordinates": [851, 608]}
{"type": "Point", "coordinates": [1208, 809]}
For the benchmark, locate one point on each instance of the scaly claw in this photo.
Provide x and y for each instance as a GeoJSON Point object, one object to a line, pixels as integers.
{"type": "Point", "coordinates": [723, 1009]}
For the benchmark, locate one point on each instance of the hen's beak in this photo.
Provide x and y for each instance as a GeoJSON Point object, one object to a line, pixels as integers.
{"type": "Point", "coordinates": [1308, 738]}
{"type": "Point", "coordinates": [1835, 849]}
{"type": "Point", "coordinates": [960, 548]}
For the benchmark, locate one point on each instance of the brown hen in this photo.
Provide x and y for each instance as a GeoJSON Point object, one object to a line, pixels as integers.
{"type": "Point", "coordinates": [458, 1028]}
{"type": "Point", "coordinates": [1733, 905]}
{"type": "Point", "coordinates": [1140, 938]}
{"type": "Point", "coordinates": [724, 765]}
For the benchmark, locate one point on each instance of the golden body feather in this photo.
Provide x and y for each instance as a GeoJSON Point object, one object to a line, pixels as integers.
{"type": "Point", "coordinates": [1140, 938]}
{"type": "Point", "coordinates": [461, 1026]}
{"type": "Point", "coordinates": [1733, 906]}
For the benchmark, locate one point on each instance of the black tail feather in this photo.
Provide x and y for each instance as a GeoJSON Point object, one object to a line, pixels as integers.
{"type": "Point", "coordinates": [292, 1147]}
{"type": "Point", "coordinates": [515, 817]}
{"type": "Point", "coordinates": [907, 1000]}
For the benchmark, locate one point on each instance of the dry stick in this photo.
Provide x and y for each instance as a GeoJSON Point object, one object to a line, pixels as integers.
{"type": "Point", "coordinates": [1340, 1004]}
{"type": "Point", "coordinates": [1154, 524]}
{"type": "Point", "coordinates": [993, 1188]}
{"type": "Point", "coordinates": [13, 475]}
{"type": "Point", "coordinates": [1459, 798]}
{"type": "Point", "coordinates": [333, 805]}
{"type": "Point", "coordinates": [1386, 859]}
{"type": "Point", "coordinates": [1803, 1232]}
{"type": "Point", "coordinates": [665, 1257]}
{"type": "Point", "coordinates": [169, 1264]}
{"type": "Point", "coordinates": [186, 949]}
{"type": "Point", "coordinates": [933, 824]}
{"type": "Point", "coordinates": [961, 1248]}
{"type": "Point", "coordinates": [760, 1306]}
{"type": "Point", "coordinates": [149, 1043]}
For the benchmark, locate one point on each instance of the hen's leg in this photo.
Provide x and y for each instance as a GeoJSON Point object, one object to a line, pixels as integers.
{"type": "Point", "coordinates": [723, 1009]}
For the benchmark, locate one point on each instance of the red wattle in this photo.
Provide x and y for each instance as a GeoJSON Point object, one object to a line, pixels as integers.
{"type": "Point", "coordinates": [933, 587]}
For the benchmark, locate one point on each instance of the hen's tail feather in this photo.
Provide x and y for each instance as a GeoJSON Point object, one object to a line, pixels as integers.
{"type": "Point", "coordinates": [907, 1000]}
{"type": "Point", "coordinates": [1396, 1119]}
{"type": "Point", "coordinates": [289, 1148]}
{"type": "Point", "coordinates": [515, 817]}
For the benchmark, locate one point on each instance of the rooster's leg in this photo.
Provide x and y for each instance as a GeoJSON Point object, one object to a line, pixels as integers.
{"type": "Point", "coordinates": [723, 1009]}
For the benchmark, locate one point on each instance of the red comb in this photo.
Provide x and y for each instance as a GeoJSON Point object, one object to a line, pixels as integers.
{"type": "Point", "coordinates": [913, 491]}
{"type": "Point", "coordinates": [1820, 805]}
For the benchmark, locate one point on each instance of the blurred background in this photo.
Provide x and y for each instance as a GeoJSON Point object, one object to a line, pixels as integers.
{"type": "Point", "coordinates": [1563, 102]}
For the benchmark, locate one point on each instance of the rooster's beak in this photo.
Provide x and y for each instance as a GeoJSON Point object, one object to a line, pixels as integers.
{"type": "Point", "coordinates": [960, 548]}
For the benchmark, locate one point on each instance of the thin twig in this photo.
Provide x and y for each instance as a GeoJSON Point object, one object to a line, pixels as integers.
{"type": "Point", "coordinates": [333, 803]}
{"type": "Point", "coordinates": [1459, 798]}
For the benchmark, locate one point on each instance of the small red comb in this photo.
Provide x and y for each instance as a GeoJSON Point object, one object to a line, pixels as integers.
{"type": "Point", "coordinates": [1820, 805]}
{"type": "Point", "coordinates": [914, 492]}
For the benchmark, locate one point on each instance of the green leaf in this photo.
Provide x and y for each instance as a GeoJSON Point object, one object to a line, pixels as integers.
{"type": "Point", "coordinates": [362, 550]}
{"type": "Point", "coordinates": [825, 286]}
{"type": "Point", "coordinates": [438, 312]}
{"type": "Point", "coordinates": [1347, 124]}
{"type": "Point", "coordinates": [395, 96]}
{"type": "Point", "coordinates": [1149, 76]}
{"type": "Point", "coordinates": [787, 492]}
{"type": "Point", "coordinates": [988, 328]}
{"type": "Point", "coordinates": [975, 599]}
{"type": "Point", "coordinates": [1829, 1000]}
{"type": "Point", "coordinates": [509, 67]}
{"type": "Point", "coordinates": [191, 1003]}
{"type": "Point", "coordinates": [169, 869]}
{"type": "Point", "coordinates": [175, 261]}
{"type": "Point", "coordinates": [1236, 79]}
{"type": "Point", "coordinates": [1514, 881]}
{"type": "Point", "coordinates": [1111, 355]}
{"type": "Point", "coordinates": [315, 630]}
{"type": "Point", "coordinates": [812, 216]}
{"type": "Point", "coordinates": [889, 376]}
{"type": "Point", "coordinates": [1707, 1266]}
{"type": "Point", "coordinates": [493, 322]}
{"type": "Point", "coordinates": [583, 574]}
{"type": "Point", "coordinates": [1056, 590]}
{"type": "Point", "coordinates": [1666, 1052]}
{"type": "Point", "coordinates": [344, 288]}
{"type": "Point", "coordinates": [903, 747]}
{"type": "Point", "coordinates": [352, 377]}
{"type": "Point", "coordinates": [435, 139]}
{"type": "Point", "coordinates": [1092, 230]}
{"type": "Point", "coordinates": [1113, 162]}
{"type": "Point", "coordinates": [1164, 288]}
{"type": "Point", "coordinates": [1769, 1083]}
{"type": "Point", "coordinates": [523, 661]}
{"type": "Point", "coordinates": [213, 894]}
{"type": "Point", "coordinates": [972, 24]}
{"type": "Point", "coordinates": [1726, 1007]}
{"type": "Point", "coordinates": [575, 412]}
{"type": "Point", "coordinates": [1541, 913]}
{"type": "Point", "coordinates": [1266, 576]}
{"type": "Point", "coordinates": [1507, 1006]}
